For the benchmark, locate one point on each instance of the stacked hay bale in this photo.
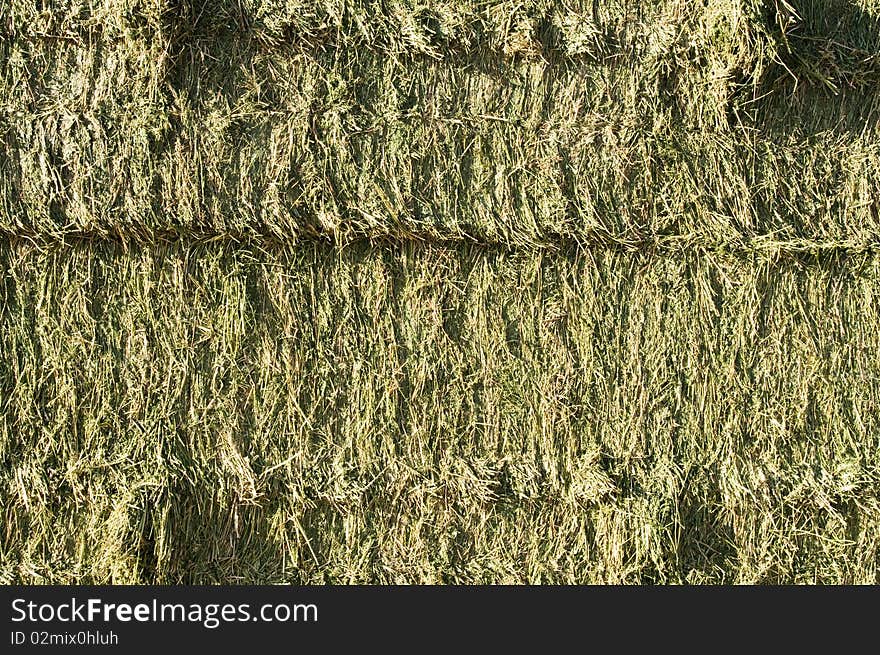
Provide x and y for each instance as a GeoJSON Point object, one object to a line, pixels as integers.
{"type": "Point", "coordinates": [439, 291]}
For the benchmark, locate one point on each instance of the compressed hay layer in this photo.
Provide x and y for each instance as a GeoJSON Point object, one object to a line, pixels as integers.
{"type": "Point", "coordinates": [424, 414]}
{"type": "Point", "coordinates": [734, 124]}
{"type": "Point", "coordinates": [616, 319]}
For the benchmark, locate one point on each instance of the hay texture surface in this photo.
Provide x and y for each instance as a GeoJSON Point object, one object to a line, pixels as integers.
{"type": "Point", "coordinates": [338, 291]}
